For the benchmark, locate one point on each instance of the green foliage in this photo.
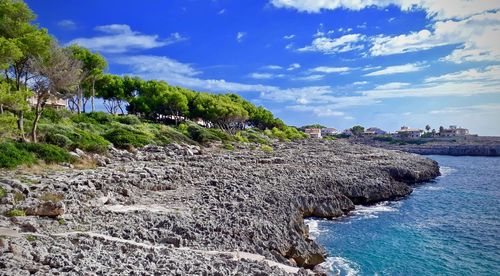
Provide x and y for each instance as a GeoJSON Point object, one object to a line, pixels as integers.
{"type": "Point", "coordinates": [266, 148]}
{"type": "Point", "coordinates": [57, 139]}
{"type": "Point", "coordinates": [55, 116]}
{"type": "Point", "coordinates": [201, 134]}
{"type": "Point", "coordinates": [15, 213]}
{"type": "Point", "coordinates": [129, 120]}
{"type": "Point", "coordinates": [3, 192]}
{"type": "Point", "coordinates": [61, 221]}
{"type": "Point", "coordinates": [31, 238]}
{"type": "Point", "coordinates": [228, 146]}
{"type": "Point", "coordinates": [11, 156]}
{"type": "Point", "coordinates": [48, 153]}
{"type": "Point", "coordinates": [302, 128]}
{"type": "Point", "coordinates": [124, 138]}
{"type": "Point", "coordinates": [357, 130]}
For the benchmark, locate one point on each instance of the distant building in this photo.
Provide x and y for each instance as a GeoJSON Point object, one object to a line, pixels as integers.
{"type": "Point", "coordinates": [406, 132]}
{"type": "Point", "coordinates": [347, 132]}
{"type": "Point", "coordinates": [375, 131]}
{"type": "Point", "coordinates": [454, 131]}
{"type": "Point", "coordinates": [313, 132]}
{"type": "Point", "coordinates": [329, 131]}
{"type": "Point", "coordinates": [53, 102]}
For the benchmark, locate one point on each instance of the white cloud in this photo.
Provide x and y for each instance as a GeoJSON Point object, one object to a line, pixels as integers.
{"type": "Point", "coordinates": [120, 38]}
{"type": "Point", "coordinates": [240, 36]}
{"type": "Point", "coordinates": [435, 8]}
{"type": "Point", "coordinates": [392, 85]}
{"type": "Point", "coordinates": [293, 66]}
{"type": "Point", "coordinates": [491, 73]}
{"type": "Point", "coordinates": [291, 36]}
{"type": "Point", "coordinates": [221, 12]}
{"type": "Point", "coordinates": [341, 44]}
{"type": "Point", "coordinates": [467, 109]}
{"type": "Point", "coordinates": [359, 83]}
{"type": "Point", "coordinates": [273, 67]}
{"type": "Point", "coordinates": [265, 76]}
{"type": "Point", "coordinates": [398, 69]}
{"type": "Point", "coordinates": [320, 111]}
{"type": "Point", "coordinates": [310, 78]}
{"type": "Point", "coordinates": [475, 37]}
{"type": "Point", "coordinates": [67, 24]}
{"type": "Point", "coordinates": [327, 70]}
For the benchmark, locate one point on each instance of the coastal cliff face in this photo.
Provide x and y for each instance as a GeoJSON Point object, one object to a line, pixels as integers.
{"type": "Point", "coordinates": [178, 210]}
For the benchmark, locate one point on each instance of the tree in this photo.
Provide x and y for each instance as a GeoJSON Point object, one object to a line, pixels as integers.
{"type": "Point", "coordinates": [20, 42]}
{"type": "Point", "coordinates": [93, 67]}
{"type": "Point", "coordinates": [112, 90]}
{"type": "Point", "coordinates": [357, 130]}
{"type": "Point", "coordinates": [441, 129]}
{"type": "Point", "coordinates": [428, 128]}
{"type": "Point", "coordinates": [55, 76]}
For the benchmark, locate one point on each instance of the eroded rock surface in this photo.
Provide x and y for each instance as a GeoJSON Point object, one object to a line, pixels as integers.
{"type": "Point", "coordinates": [178, 210]}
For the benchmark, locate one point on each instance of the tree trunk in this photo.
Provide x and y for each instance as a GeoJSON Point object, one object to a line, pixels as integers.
{"type": "Point", "coordinates": [93, 95]}
{"type": "Point", "coordinates": [38, 114]}
{"type": "Point", "coordinates": [1, 108]}
{"type": "Point", "coordinates": [79, 100]}
{"type": "Point", "coordinates": [20, 124]}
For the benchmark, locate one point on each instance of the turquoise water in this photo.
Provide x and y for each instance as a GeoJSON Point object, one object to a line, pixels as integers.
{"type": "Point", "coordinates": [450, 226]}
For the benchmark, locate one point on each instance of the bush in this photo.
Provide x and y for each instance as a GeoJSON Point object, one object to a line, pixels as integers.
{"type": "Point", "coordinates": [15, 213]}
{"type": "Point", "coordinates": [129, 120]}
{"type": "Point", "coordinates": [57, 139]}
{"type": "Point", "coordinates": [125, 138]}
{"type": "Point", "coordinates": [11, 156]}
{"type": "Point", "coordinates": [201, 134]}
{"type": "Point", "coordinates": [266, 148]}
{"type": "Point", "coordinates": [94, 118]}
{"type": "Point", "coordinates": [166, 135]}
{"type": "Point", "coordinates": [55, 116]}
{"type": "Point", "coordinates": [88, 141]}
{"type": "Point", "coordinates": [228, 146]}
{"type": "Point", "coordinates": [3, 192]}
{"type": "Point", "coordinates": [48, 153]}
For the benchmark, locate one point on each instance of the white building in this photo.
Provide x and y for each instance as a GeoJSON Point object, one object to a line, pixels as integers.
{"type": "Point", "coordinates": [406, 132]}
{"type": "Point", "coordinates": [329, 131]}
{"type": "Point", "coordinates": [313, 132]}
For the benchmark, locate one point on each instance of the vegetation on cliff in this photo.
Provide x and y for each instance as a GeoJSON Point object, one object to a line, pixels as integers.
{"type": "Point", "coordinates": [38, 71]}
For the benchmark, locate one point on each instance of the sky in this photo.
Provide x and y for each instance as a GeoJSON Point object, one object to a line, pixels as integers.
{"type": "Point", "coordinates": [340, 63]}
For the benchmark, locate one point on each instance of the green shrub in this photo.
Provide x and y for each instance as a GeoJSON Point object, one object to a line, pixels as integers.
{"type": "Point", "coordinates": [15, 213]}
{"type": "Point", "coordinates": [55, 116]}
{"type": "Point", "coordinates": [183, 128]}
{"type": "Point", "coordinates": [240, 138]}
{"type": "Point", "coordinates": [201, 134]}
{"type": "Point", "coordinates": [166, 135]}
{"type": "Point", "coordinates": [228, 146]}
{"type": "Point", "coordinates": [11, 156]}
{"type": "Point", "coordinates": [94, 118]}
{"type": "Point", "coordinates": [129, 120]}
{"type": "Point", "coordinates": [88, 141]}
{"type": "Point", "coordinates": [31, 238]}
{"type": "Point", "coordinates": [266, 148]}
{"type": "Point", "coordinates": [222, 135]}
{"type": "Point", "coordinates": [125, 138]}
{"type": "Point", "coordinates": [48, 153]}
{"type": "Point", "coordinates": [3, 192]}
{"type": "Point", "coordinates": [18, 197]}
{"type": "Point", "coordinates": [57, 139]}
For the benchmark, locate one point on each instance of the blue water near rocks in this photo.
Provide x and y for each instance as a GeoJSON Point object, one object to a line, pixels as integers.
{"type": "Point", "coordinates": [450, 226]}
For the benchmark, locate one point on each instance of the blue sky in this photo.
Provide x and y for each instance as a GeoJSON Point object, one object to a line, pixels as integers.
{"type": "Point", "coordinates": [335, 62]}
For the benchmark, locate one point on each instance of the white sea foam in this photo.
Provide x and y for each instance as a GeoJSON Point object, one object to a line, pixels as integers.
{"type": "Point", "coordinates": [314, 231]}
{"type": "Point", "coordinates": [445, 171]}
{"type": "Point", "coordinates": [373, 210]}
{"type": "Point", "coordinates": [340, 266]}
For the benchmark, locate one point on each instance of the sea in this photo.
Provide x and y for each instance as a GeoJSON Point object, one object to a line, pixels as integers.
{"type": "Point", "coordinates": [449, 226]}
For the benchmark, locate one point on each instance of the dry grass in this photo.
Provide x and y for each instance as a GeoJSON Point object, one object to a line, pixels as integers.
{"type": "Point", "coordinates": [51, 197]}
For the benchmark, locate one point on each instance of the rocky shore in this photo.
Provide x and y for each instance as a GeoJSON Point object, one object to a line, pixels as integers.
{"type": "Point", "coordinates": [182, 210]}
{"type": "Point", "coordinates": [471, 146]}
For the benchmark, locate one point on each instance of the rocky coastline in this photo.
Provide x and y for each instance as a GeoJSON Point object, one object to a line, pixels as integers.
{"type": "Point", "coordinates": [184, 210]}
{"type": "Point", "coordinates": [471, 146]}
